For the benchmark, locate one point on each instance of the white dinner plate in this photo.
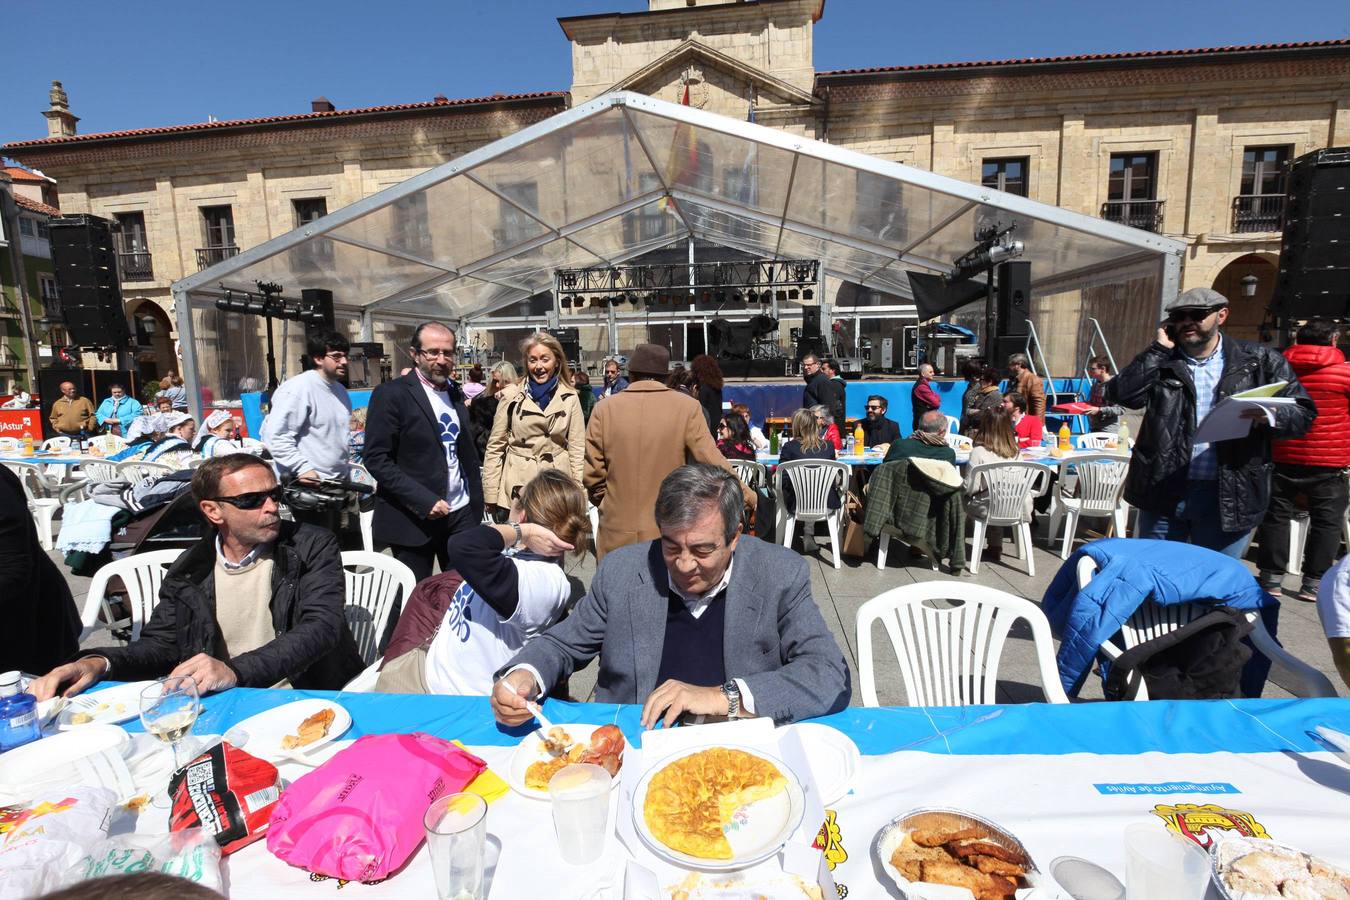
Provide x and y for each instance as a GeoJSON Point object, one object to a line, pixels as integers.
{"type": "Point", "coordinates": [51, 762]}
{"type": "Point", "coordinates": [833, 757]}
{"type": "Point", "coordinates": [760, 830]}
{"type": "Point", "coordinates": [531, 750]}
{"type": "Point", "coordinates": [107, 706]}
{"type": "Point", "coordinates": [267, 729]}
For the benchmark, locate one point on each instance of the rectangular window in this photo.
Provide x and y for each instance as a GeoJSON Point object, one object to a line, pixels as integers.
{"type": "Point", "coordinates": [1132, 176]}
{"type": "Point", "coordinates": [218, 226]}
{"type": "Point", "coordinates": [43, 232]}
{"type": "Point", "coordinates": [647, 223]}
{"type": "Point", "coordinates": [132, 232]}
{"type": "Point", "coordinates": [48, 286]}
{"type": "Point", "coordinates": [516, 226]}
{"type": "Point", "coordinates": [1264, 170]}
{"type": "Point", "coordinates": [308, 209]}
{"type": "Point", "coordinates": [1008, 174]}
{"type": "Point", "coordinates": [26, 226]}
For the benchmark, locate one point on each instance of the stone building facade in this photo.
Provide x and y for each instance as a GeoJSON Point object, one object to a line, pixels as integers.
{"type": "Point", "coordinates": [1191, 143]}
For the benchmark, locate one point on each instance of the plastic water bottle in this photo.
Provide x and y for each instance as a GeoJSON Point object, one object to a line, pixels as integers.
{"type": "Point", "coordinates": [849, 445]}
{"type": "Point", "coordinates": [1123, 437]}
{"type": "Point", "coordinates": [18, 714]}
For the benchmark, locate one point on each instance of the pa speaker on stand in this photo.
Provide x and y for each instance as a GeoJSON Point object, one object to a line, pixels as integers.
{"type": "Point", "coordinates": [1314, 277]}
{"type": "Point", "coordinates": [85, 260]}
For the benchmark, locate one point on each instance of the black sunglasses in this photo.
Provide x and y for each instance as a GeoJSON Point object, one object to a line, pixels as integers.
{"type": "Point", "coordinates": [252, 499]}
{"type": "Point", "coordinates": [1192, 315]}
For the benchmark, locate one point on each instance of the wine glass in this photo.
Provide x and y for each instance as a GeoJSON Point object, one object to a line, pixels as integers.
{"type": "Point", "coordinates": [169, 709]}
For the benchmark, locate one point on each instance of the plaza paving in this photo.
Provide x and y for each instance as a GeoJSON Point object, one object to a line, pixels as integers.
{"type": "Point", "coordinates": [839, 594]}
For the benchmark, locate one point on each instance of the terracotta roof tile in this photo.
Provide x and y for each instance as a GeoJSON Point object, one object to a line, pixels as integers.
{"type": "Point", "coordinates": [1089, 57]}
{"type": "Point", "coordinates": [25, 176]}
{"type": "Point", "coordinates": [274, 120]}
{"type": "Point", "coordinates": [34, 206]}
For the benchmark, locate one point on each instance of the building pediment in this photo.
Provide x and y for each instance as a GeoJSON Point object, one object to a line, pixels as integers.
{"type": "Point", "coordinates": [693, 62]}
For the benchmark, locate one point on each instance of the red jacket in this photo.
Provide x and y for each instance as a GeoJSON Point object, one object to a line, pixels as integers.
{"type": "Point", "coordinates": [1325, 375]}
{"type": "Point", "coordinates": [1029, 431]}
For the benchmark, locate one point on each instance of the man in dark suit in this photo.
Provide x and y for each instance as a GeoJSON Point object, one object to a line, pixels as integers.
{"type": "Point", "coordinates": [421, 452]}
{"type": "Point", "coordinates": [42, 624]}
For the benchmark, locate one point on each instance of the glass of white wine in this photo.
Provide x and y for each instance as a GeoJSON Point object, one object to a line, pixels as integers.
{"type": "Point", "coordinates": [169, 709]}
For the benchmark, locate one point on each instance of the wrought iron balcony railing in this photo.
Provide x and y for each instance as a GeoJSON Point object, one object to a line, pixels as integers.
{"type": "Point", "coordinates": [136, 265]}
{"type": "Point", "coordinates": [1258, 212]}
{"type": "Point", "coordinates": [209, 256]}
{"type": "Point", "coordinates": [1145, 214]}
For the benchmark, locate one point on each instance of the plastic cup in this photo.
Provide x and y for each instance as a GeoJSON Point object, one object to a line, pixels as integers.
{"type": "Point", "coordinates": [1160, 865]}
{"type": "Point", "coordinates": [580, 797]}
{"type": "Point", "coordinates": [456, 827]}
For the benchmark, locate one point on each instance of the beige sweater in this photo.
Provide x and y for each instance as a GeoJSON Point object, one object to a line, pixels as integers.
{"type": "Point", "coordinates": [244, 604]}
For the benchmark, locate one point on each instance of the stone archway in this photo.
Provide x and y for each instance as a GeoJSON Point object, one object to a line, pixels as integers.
{"type": "Point", "coordinates": [153, 333]}
{"type": "Point", "coordinates": [1246, 314]}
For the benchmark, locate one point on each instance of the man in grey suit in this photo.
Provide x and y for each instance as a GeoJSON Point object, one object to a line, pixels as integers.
{"type": "Point", "coordinates": [704, 621]}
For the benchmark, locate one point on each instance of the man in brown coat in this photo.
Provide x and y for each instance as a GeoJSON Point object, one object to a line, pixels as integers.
{"type": "Point", "coordinates": [1027, 384]}
{"type": "Point", "coordinates": [72, 413]}
{"type": "Point", "coordinates": [634, 440]}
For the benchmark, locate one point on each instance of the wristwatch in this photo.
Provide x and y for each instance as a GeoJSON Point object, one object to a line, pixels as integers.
{"type": "Point", "coordinates": [520, 539]}
{"type": "Point", "coordinates": [733, 694]}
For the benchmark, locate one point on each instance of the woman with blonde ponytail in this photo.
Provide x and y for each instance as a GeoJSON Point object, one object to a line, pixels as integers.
{"type": "Point", "coordinates": [507, 586]}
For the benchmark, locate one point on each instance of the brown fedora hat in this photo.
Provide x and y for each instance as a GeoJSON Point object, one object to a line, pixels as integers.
{"type": "Point", "coordinates": [650, 359]}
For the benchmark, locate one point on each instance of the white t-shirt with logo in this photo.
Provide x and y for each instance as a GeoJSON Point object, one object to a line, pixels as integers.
{"type": "Point", "coordinates": [456, 491]}
{"type": "Point", "coordinates": [474, 642]}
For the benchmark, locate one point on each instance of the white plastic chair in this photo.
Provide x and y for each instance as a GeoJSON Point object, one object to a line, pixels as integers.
{"type": "Point", "coordinates": [752, 474]}
{"type": "Point", "coordinates": [1099, 483]}
{"type": "Point", "coordinates": [953, 424]}
{"type": "Point", "coordinates": [1152, 620]}
{"type": "Point", "coordinates": [39, 492]}
{"type": "Point", "coordinates": [812, 481]}
{"type": "Point", "coordinates": [359, 474]}
{"type": "Point", "coordinates": [1008, 485]}
{"type": "Point", "coordinates": [365, 682]}
{"type": "Point", "coordinates": [142, 575]}
{"type": "Point", "coordinates": [374, 581]}
{"type": "Point", "coordinates": [55, 445]}
{"type": "Point", "coordinates": [1095, 440]}
{"type": "Point", "coordinates": [108, 444]}
{"type": "Point", "coordinates": [949, 655]}
{"type": "Point", "coordinates": [960, 443]}
{"type": "Point", "coordinates": [135, 471]}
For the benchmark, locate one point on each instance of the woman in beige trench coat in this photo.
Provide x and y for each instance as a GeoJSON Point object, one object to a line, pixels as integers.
{"type": "Point", "coordinates": [538, 425]}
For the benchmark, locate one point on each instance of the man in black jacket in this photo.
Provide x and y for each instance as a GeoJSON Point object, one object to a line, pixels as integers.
{"type": "Point", "coordinates": [420, 450]}
{"type": "Point", "coordinates": [42, 625]}
{"type": "Point", "coordinates": [822, 390]}
{"type": "Point", "coordinates": [1212, 494]}
{"type": "Point", "coordinates": [256, 603]}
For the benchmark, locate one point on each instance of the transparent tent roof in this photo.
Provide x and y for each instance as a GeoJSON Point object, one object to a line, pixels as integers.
{"type": "Point", "coordinates": [625, 174]}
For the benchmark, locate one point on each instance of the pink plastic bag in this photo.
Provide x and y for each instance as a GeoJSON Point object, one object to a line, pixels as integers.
{"type": "Point", "coordinates": [358, 816]}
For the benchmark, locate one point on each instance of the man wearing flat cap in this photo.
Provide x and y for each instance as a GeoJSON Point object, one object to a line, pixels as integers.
{"type": "Point", "coordinates": [1211, 494]}
{"type": "Point", "coordinates": [633, 441]}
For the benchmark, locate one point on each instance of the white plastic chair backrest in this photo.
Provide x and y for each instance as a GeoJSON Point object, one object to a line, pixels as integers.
{"type": "Point", "coordinates": [953, 424]}
{"type": "Point", "coordinates": [811, 481]}
{"type": "Point", "coordinates": [948, 653]}
{"type": "Point", "coordinates": [9, 445]}
{"type": "Point", "coordinates": [1150, 620]}
{"type": "Point", "coordinates": [35, 483]}
{"type": "Point", "coordinates": [100, 470]}
{"type": "Point", "coordinates": [55, 445]}
{"type": "Point", "coordinates": [108, 444]}
{"type": "Point", "coordinates": [135, 471]}
{"type": "Point", "coordinates": [960, 443]}
{"type": "Point", "coordinates": [1095, 440]}
{"type": "Point", "coordinates": [1009, 484]}
{"type": "Point", "coordinates": [751, 474]}
{"type": "Point", "coordinates": [1101, 478]}
{"type": "Point", "coordinates": [374, 582]}
{"type": "Point", "coordinates": [142, 575]}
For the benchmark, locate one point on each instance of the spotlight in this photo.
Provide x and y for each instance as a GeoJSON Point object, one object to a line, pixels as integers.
{"type": "Point", "coordinates": [792, 294]}
{"type": "Point", "coordinates": [782, 296]}
{"type": "Point", "coordinates": [808, 294]}
{"type": "Point", "coordinates": [565, 302]}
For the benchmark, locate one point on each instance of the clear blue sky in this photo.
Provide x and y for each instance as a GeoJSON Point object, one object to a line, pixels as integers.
{"type": "Point", "coordinates": [144, 63]}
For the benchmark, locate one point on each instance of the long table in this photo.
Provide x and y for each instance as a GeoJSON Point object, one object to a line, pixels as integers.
{"type": "Point", "coordinates": [1065, 779]}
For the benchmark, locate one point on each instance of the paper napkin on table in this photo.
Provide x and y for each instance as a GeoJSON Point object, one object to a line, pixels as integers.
{"type": "Point", "coordinates": [488, 784]}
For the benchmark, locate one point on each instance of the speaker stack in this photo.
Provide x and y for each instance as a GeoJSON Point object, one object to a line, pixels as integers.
{"type": "Point", "coordinates": [85, 260]}
{"type": "Point", "coordinates": [570, 339]}
{"type": "Point", "coordinates": [810, 340]}
{"type": "Point", "coordinates": [1314, 277]}
{"type": "Point", "coordinates": [1012, 310]}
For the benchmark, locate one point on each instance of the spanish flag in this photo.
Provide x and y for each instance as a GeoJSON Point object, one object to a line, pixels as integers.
{"type": "Point", "coordinates": [683, 164]}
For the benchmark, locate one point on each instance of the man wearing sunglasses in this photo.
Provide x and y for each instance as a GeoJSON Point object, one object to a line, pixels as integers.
{"type": "Point", "coordinates": [309, 423]}
{"type": "Point", "coordinates": [1212, 494]}
{"type": "Point", "coordinates": [256, 603]}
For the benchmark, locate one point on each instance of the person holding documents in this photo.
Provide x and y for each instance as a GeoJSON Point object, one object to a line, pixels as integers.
{"type": "Point", "coordinates": [1209, 493]}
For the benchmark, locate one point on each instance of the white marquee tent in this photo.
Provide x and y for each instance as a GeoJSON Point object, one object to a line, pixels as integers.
{"type": "Point", "coordinates": [613, 179]}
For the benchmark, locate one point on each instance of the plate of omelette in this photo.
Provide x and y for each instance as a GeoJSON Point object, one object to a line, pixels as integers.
{"type": "Point", "coordinates": [718, 808]}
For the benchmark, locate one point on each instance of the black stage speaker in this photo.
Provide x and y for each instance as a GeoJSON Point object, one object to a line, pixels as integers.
{"type": "Point", "coordinates": [321, 302]}
{"type": "Point", "coordinates": [570, 338]}
{"type": "Point", "coordinates": [1014, 297]}
{"type": "Point", "coordinates": [810, 322]}
{"type": "Point", "coordinates": [85, 260]}
{"type": "Point", "coordinates": [1314, 275]}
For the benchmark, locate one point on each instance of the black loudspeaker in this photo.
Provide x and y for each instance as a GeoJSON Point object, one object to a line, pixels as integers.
{"type": "Point", "coordinates": [810, 322]}
{"type": "Point", "coordinates": [1314, 277]}
{"type": "Point", "coordinates": [320, 303]}
{"type": "Point", "coordinates": [1014, 297]}
{"type": "Point", "coordinates": [86, 272]}
{"type": "Point", "coordinates": [570, 338]}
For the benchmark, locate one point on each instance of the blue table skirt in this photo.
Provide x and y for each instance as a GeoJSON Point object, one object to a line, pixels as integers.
{"type": "Point", "coordinates": [1238, 726]}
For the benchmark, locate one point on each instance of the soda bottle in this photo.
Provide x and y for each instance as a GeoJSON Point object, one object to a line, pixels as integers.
{"type": "Point", "coordinates": [859, 438]}
{"type": "Point", "coordinates": [773, 442]}
{"type": "Point", "coordinates": [27, 443]}
{"type": "Point", "coordinates": [1064, 436]}
{"type": "Point", "coordinates": [84, 440]}
{"type": "Point", "coordinates": [1123, 436]}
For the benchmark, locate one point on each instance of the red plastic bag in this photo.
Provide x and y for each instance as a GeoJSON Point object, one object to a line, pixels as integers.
{"type": "Point", "coordinates": [226, 792]}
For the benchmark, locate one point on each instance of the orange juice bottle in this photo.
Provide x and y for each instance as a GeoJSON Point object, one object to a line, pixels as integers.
{"type": "Point", "coordinates": [858, 438]}
{"type": "Point", "coordinates": [1064, 436]}
{"type": "Point", "coordinates": [27, 443]}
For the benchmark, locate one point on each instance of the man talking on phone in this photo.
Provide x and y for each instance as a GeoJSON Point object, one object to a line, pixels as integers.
{"type": "Point", "coordinates": [1210, 494]}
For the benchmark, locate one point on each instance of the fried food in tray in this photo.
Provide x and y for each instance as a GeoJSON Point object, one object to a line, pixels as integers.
{"type": "Point", "coordinates": [956, 849]}
{"type": "Point", "coordinates": [605, 749]}
{"type": "Point", "coordinates": [314, 728]}
{"type": "Point", "coordinates": [1248, 869]}
{"type": "Point", "coordinates": [690, 801]}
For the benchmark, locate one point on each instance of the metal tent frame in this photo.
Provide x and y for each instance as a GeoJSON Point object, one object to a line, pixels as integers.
{"type": "Point", "coordinates": [625, 174]}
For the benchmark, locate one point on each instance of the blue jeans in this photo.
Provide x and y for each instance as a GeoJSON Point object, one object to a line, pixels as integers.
{"type": "Point", "coordinates": [1195, 519]}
